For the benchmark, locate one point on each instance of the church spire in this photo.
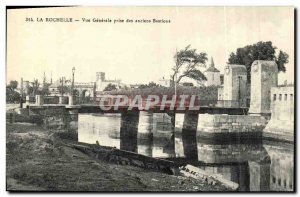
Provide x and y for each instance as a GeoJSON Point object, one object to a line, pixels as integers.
{"type": "Point", "coordinates": [212, 64]}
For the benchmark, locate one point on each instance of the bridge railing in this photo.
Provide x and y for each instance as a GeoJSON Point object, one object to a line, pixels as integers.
{"type": "Point", "coordinates": [51, 99]}
{"type": "Point", "coordinates": [111, 101]}
{"type": "Point", "coordinates": [197, 102]}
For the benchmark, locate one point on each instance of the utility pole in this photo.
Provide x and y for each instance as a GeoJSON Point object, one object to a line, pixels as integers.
{"type": "Point", "coordinates": [175, 81]}
{"type": "Point", "coordinates": [72, 87]}
{"type": "Point", "coordinates": [62, 86]}
{"type": "Point", "coordinates": [71, 95]}
{"type": "Point", "coordinates": [175, 88]}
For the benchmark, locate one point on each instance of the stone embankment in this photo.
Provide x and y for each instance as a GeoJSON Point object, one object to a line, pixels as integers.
{"type": "Point", "coordinates": [225, 125]}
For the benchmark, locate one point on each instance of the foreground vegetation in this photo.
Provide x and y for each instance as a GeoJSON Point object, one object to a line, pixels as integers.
{"type": "Point", "coordinates": [204, 93]}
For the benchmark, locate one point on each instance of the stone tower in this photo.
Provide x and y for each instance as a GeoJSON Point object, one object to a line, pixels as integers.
{"type": "Point", "coordinates": [235, 86]}
{"type": "Point", "coordinates": [100, 76]}
{"type": "Point", "coordinates": [212, 75]}
{"type": "Point", "coordinates": [264, 75]}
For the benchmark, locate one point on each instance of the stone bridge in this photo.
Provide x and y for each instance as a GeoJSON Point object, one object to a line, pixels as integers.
{"type": "Point", "coordinates": [207, 121]}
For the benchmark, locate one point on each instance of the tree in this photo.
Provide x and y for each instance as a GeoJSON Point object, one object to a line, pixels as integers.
{"type": "Point", "coordinates": [110, 87]}
{"type": "Point", "coordinates": [12, 85]}
{"type": "Point", "coordinates": [281, 60]}
{"type": "Point", "coordinates": [187, 62]}
{"type": "Point", "coordinates": [64, 89]}
{"type": "Point", "coordinates": [45, 89]}
{"type": "Point", "coordinates": [35, 84]}
{"type": "Point", "coordinates": [259, 51]}
{"type": "Point", "coordinates": [11, 94]}
{"type": "Point", "coordinates": [149, 85]}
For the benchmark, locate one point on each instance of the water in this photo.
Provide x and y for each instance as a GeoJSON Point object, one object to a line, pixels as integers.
{"type": "Point", "coordinates": [255, 165]}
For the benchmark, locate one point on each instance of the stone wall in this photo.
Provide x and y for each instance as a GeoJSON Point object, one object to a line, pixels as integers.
{"type": "Point", "coordinates": [281, 124]}
{"type": "Point", "coordinates": [209, 125]}
{"type": "Point", "coordinates": [58, 118]}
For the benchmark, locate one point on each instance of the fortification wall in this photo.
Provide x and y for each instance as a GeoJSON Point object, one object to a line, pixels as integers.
{"type": "Point", "coordinates": [281, 125]}
{"type": "Point", "coordinates": [210, 125]}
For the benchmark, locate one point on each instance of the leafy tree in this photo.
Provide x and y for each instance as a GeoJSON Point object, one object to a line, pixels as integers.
{"type": "Point", "coordinates": [64, 89]}
{"type": "Point", "coordinates": [150, 85]}
{"type": "Point", "coordinates": [11, 94]}
{"type": "Point", "coordinates": [110, 87]}
{"type": "Point", "coordinates": [187, 62]}
{"type": "Point", "coordinates": [203, 93]}
{"type": "Point", "coordinates": [281, 60]}
{"type": "Point", "coordinates": [259, 51]}
{"type": "Point", "coordinates": [12, 85]}
{"type": "Point", "coordinates": [75, 92]}
{"type": "Point", "coordinates": [34, 88]}
{"type": "Point", "coordinates": [45, 90]}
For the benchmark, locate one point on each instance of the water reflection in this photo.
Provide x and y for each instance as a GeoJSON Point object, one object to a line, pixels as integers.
{"type": "Point", "coordinates": [254, 164]}
{"type": "Point", "coordinates": [104, 129]}
{"type": "Point", "coordinates": [282, 165]}
{"type": "Point", "coordinates": [238, 173]}
{"type": "Point", "coordinates": [148, 134]}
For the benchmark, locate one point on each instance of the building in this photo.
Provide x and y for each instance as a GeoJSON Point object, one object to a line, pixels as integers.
{"type": "Point", "coordinates": [102, 82]}
{"type": "Point", "coordinates": [55, 88]}
{"type": "Point", "coordinates": [164, 82]}
{"type": "Point", "coordinates": [84, 89]}
{"type": "Point", "coordinates": [212, 75]}
{"type": "Point", "coordinates": [282, 113]}
{"type": "Point", "coordinates": [135, 86]}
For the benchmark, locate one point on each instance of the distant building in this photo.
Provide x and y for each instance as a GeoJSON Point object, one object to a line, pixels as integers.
{"type": "Point", "coordinates": [164, 82]}
{"type": "Point", "coordinates": [135, 86]}
{"type": "Point", "coordinates": [54, 88]}
{"type": "Point", "coordinates": [101, 82]}
{"type": "Point", "coordinates": [212, 75]}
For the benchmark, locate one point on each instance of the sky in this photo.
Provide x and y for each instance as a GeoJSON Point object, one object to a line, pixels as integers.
{"type": "Point", "coordinates": [137, 52]}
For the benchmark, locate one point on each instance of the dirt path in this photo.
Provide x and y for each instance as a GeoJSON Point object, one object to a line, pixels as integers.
{"type": "Point", "coordinates": [37, 160]}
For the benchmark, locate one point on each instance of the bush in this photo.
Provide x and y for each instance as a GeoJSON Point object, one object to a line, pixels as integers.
{"type": "Point", "coordinates": [204, 93]}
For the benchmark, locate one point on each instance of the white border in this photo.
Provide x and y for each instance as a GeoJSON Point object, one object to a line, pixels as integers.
{"type": "Point", "coordinates": [5, 3]}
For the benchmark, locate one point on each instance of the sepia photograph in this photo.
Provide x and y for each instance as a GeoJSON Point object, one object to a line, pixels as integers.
{"type": "Point", "coordinates": [150, 99]}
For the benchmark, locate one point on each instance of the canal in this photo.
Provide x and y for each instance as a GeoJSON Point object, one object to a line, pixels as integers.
{"type": "Point", "coordinates": [255, 164]}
